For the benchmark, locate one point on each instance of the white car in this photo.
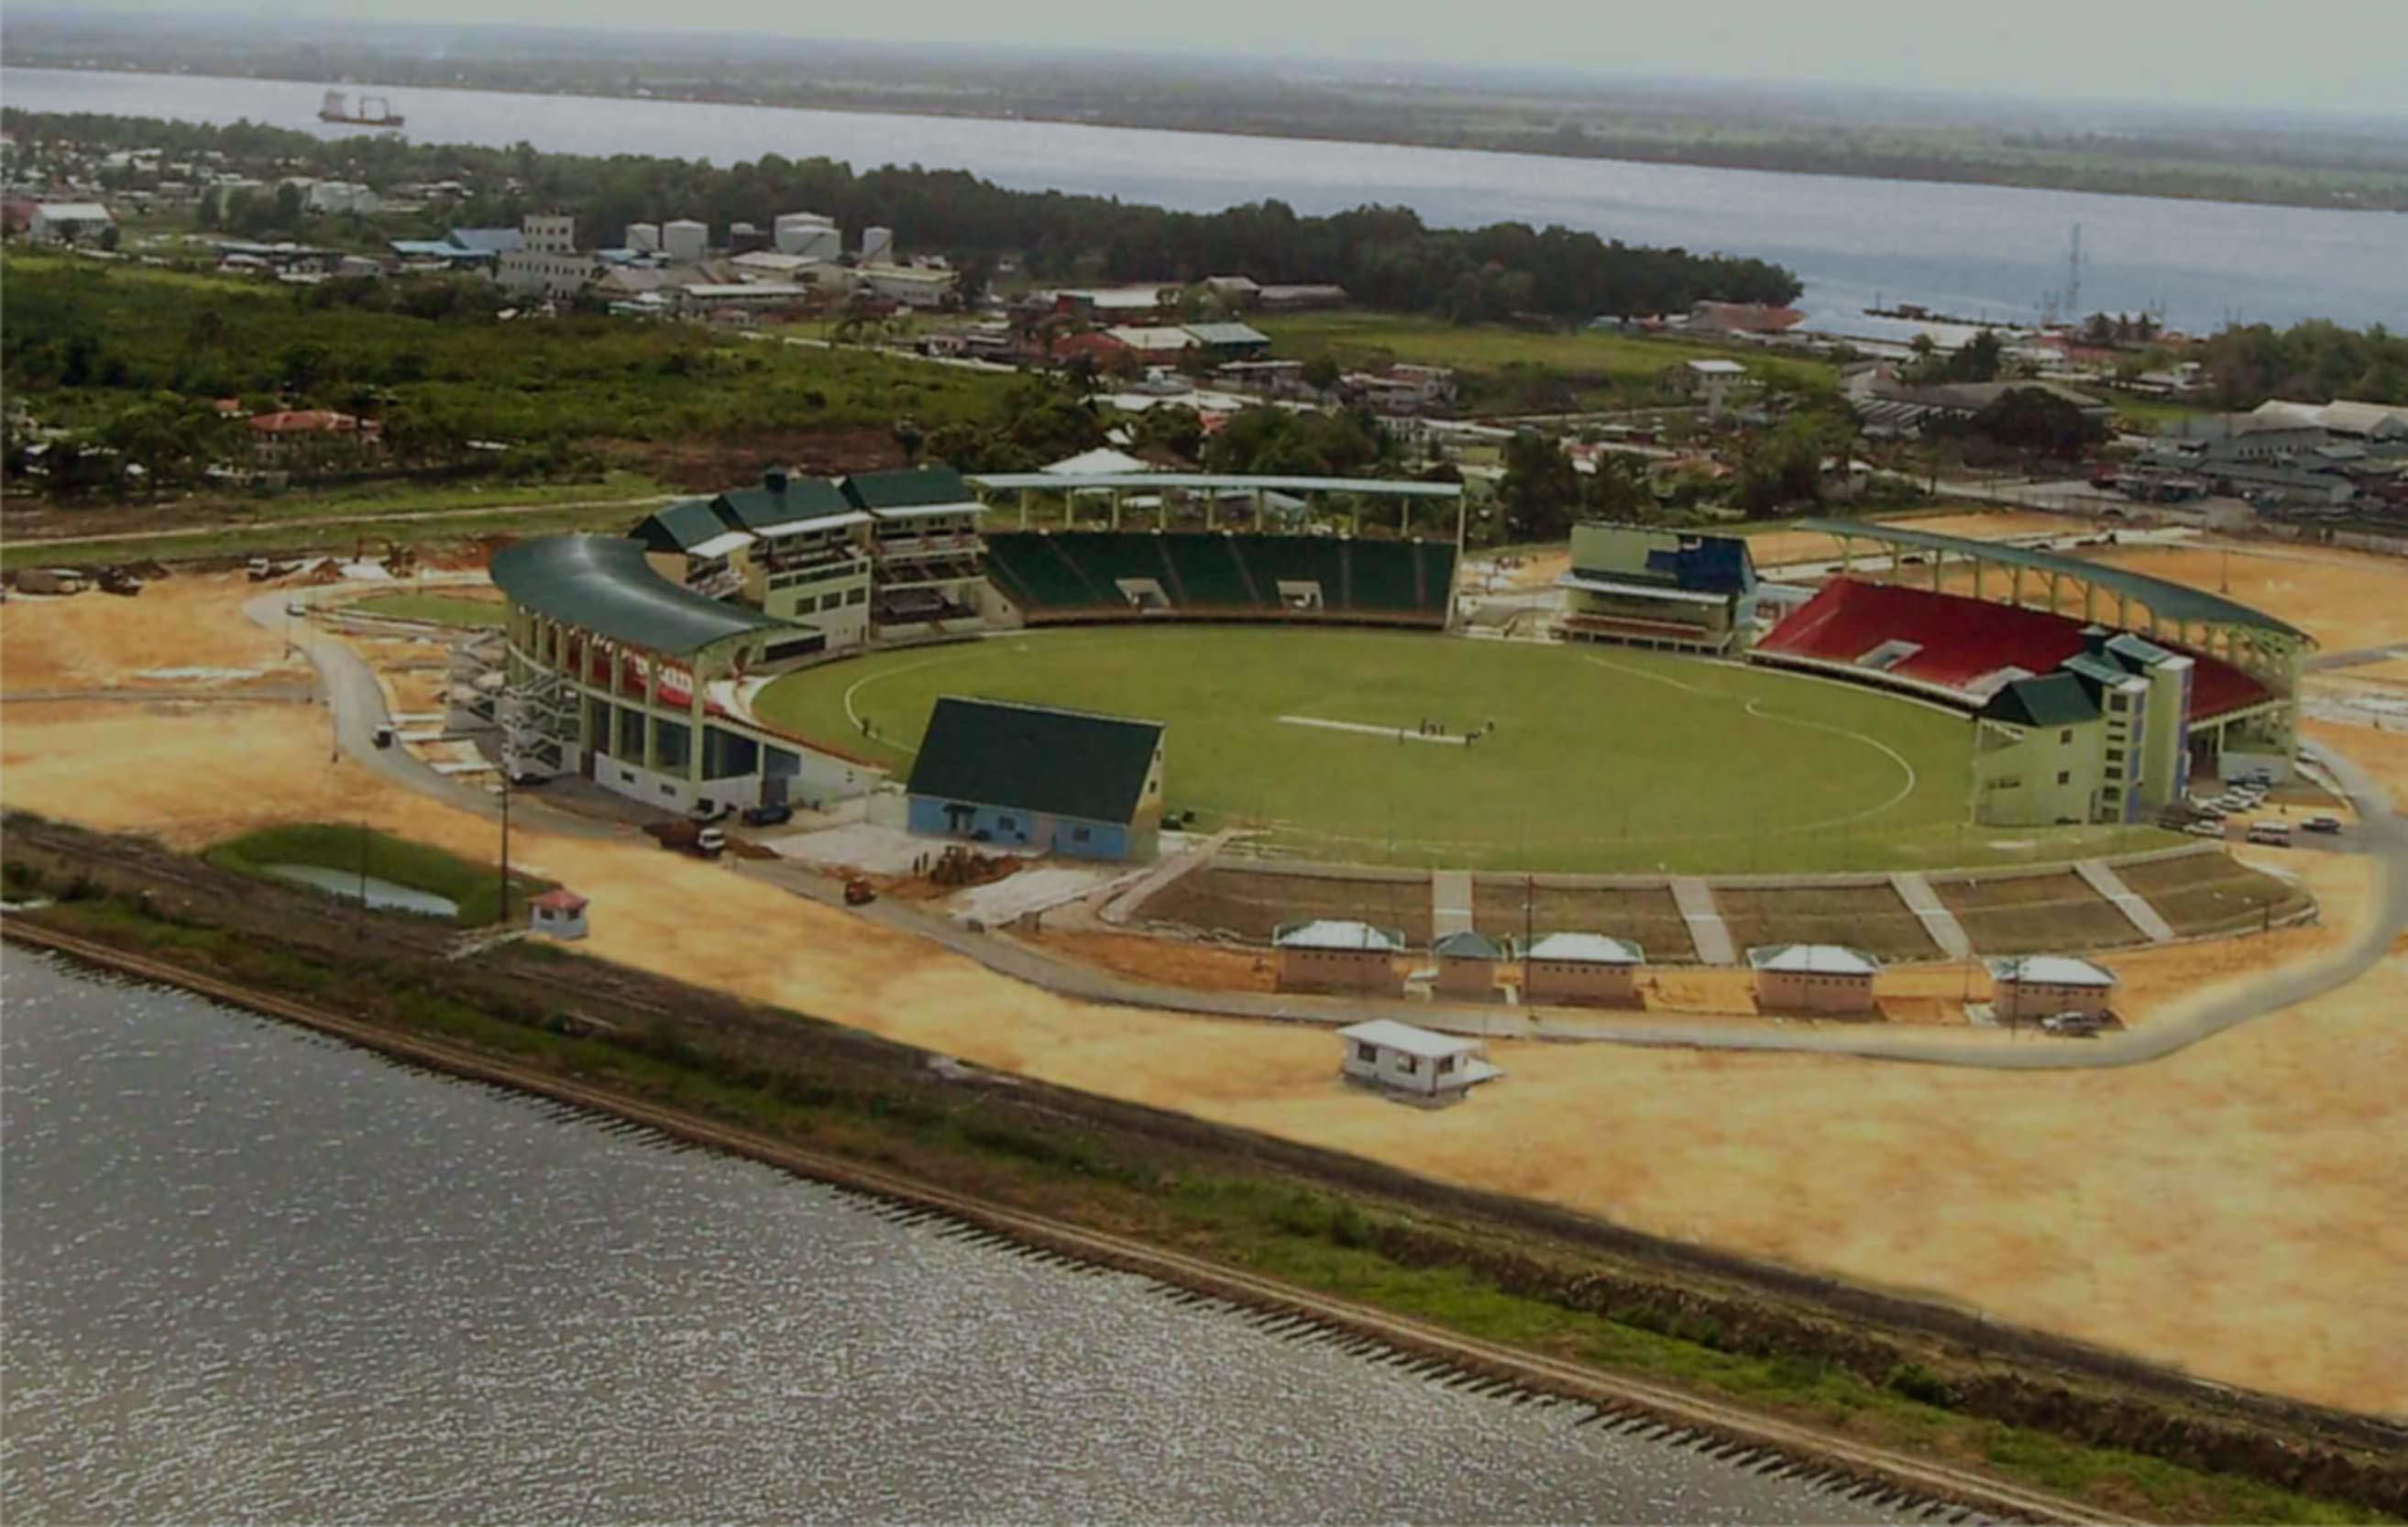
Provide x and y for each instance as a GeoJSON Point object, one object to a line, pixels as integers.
{"type": "Point", "coordinates": [2205, 829]}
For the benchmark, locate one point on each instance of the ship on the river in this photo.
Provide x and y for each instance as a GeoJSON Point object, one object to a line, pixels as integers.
{"type": "Point", "coordinates": [374, 111]}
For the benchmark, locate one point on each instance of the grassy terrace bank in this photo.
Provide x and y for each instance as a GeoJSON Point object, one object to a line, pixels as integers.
{"type": "Point", "coordinates": [1322, 1222]}
{"type": "Point", "coordinates": [475, 888]}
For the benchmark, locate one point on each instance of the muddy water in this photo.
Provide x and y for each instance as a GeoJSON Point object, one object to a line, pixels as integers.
{"type": "Point", "coordinates": [250, 1273]}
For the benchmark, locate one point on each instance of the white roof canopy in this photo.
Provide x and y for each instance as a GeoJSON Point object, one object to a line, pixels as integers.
{"type": "Point", "coordinates": [2052, 970]}
{"type": "Point", "coordinates": [1812, 960]}
{"type": "Point", "coordinates": [1337, 933]}
{"type": "Point", "coordinates": [1587, 950]}
{"type": "Point", "coordinates": [1387, 1033]}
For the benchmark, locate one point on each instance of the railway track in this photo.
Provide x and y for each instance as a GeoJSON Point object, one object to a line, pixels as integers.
{"type": "Point", "coordinates": [1858, 1471]}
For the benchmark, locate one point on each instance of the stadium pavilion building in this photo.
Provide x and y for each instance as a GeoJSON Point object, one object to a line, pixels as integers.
{"type": "Point", "coordinates": [2101, 718]}
{"type": "Point", "coordinates": [631, 660]}
{"type": "Point", "coordinates": [610, 672]}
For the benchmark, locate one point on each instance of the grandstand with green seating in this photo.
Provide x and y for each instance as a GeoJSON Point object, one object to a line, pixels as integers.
{"type": "Point", "coordinates": [1057, 577]}
{"type": "Point", "coordinates": [1362, 557]}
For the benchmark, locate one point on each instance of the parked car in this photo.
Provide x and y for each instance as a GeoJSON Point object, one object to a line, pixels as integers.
{"type": "Point", "coordinates": [2206, 829]}
{"type": "Point", "coordinates": [2272, 834]}
{"type": "Point", "coordinates": [2321, 823]}
{"type": "Point", "coordinates": [768, 816]}
{"type": "Point", "coordinates": [2074, 1025]}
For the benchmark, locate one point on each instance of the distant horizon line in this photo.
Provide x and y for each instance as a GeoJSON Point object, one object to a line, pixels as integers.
{"type": "Point", "coordinates": [1287, 66]}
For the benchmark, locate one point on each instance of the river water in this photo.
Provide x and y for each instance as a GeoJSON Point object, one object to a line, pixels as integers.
{"type": "Point", "coordinates": [1972, 251]}
{"type": "Point", "coordinates": [254, 1273]}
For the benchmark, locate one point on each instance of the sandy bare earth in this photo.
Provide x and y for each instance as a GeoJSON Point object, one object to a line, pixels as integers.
{"type": "Point", "coordinates": [2233, 1208]}
{"type": "Point", "coordinates": [1776, 548]}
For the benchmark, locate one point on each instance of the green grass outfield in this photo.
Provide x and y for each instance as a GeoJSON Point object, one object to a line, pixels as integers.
{"type": "Point", "coordinates": [1602, 760]}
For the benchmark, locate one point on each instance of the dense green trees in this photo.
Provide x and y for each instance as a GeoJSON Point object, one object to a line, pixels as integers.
{"type": "Point", "coordinates": [2311, 362]}
{"type": "Point", "coordinates": [1281, 441]}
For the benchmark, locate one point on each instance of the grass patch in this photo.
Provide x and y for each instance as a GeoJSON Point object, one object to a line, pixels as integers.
{"type": "Point", "coordinates": [1617, 761]}
{"type": "Point", "coordinates": [441, 610]}
{"type": "Point", "coordinates": [132, 331]}
{"type": "Point", "coordinates": [475, 888]}
{"type": "Point", "coordinates": [1601, 369]}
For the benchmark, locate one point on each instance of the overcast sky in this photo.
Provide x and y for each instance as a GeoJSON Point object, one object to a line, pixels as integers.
{"type": "Point", "coordinates": [2308, 54]}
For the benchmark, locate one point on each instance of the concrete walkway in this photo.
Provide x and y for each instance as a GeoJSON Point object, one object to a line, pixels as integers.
{"type": "Point", "coordinates": [1939, 922]}
{"type": "Point", "coordinates": [1707, 930]}
{"type": "Point", "coordinates": [1450, 902]}
{"type": "Point", "coordinates": [2100, 878]}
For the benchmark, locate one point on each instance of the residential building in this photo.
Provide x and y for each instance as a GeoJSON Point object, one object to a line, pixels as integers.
{"type": "Point", "coordinates": [1226, 342]}
{"type": "Point", "coordinates": [1413, 1063]}
{"type": "Point", "coordinates": [68, 222]}
{"type": "Point", "coordinates": [281, 438]}
{"type": "Point", "coordinates": [1582, 969]}
{"type": "Point", "coordinates": [1070, 782]}
{"type": "Point", "coordinates": [2027, 988]}
{"type": "Point", "coordinates": [1153, 342]}
{"type": "Point", "coordinates": [1812, 978]}
{"type": "Point", "coordinates": [1337, 954]}
{"type": "Point", "coordinates": [558, 913]}
{"type": "Point", "coordinates": [1465, 965]}
{"type": "Point", "coordinates": [546, 263]}
{"type": "Point", "coordinates": [913, 286]}
{"type": "Point", "coordinates": [336, 197]}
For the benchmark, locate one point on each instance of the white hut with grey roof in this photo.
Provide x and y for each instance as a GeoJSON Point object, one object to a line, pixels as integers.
{"type": "Point", "coordinates": [1582, 969]}
{"type": "Point", "coordinates": [1812, 978]}
{"type": "Point", "coordinates": [1337, 954]}
{"type": "Point", "coordinates": [2035, 986]}
{"type": "Point", "coordinates": [1415, 1063]}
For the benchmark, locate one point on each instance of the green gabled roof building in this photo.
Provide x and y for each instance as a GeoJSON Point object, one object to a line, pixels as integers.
{"type": "Point", "coordinates": [909, 489]}
{"type": "Point", "coordinates": [780, 500]}
{"type": "Point", "coordinates": [682, 527]}
{"type": "Point", "coordinates": [1069, 782]}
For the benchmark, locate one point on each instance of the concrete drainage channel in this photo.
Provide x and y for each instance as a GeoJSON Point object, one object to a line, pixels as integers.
{"type": "Point", "coordinates": [1856, 1470]}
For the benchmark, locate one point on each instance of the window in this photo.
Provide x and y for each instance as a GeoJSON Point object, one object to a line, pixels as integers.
{"type": "Point", "coordinates": [1410, 1065]}
{"type": "Point", "coordinates": [1006, 824]}
{"type": "Point", "coordinates": [1365, 1054]}
{"type": "Point", "coordinates": [2064, 776]}
{"type": "Point", "coordinates": [1445, 1064]}
{"type": "Point", "coordinates": [857, 596]}
{"type": "Point", "coordinates": [2115, 755]}
{"type": "Point", "coordinates": [2065, 736]}
{"type": "Point", "coordinates": [2119, 702]}
{"type": "Point", "coordinates": [1078, 834]}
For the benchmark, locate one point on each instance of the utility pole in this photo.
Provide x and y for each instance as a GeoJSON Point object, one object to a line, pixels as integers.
{"type": "Point", "coordinates": [505, 915]}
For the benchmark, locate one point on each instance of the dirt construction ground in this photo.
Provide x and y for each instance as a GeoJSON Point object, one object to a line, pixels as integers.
{"type": "Point", "coordinates": [2232, 1209]}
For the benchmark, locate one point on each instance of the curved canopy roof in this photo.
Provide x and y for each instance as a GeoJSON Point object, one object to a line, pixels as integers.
{"type": "Point", "coordinates": [1004, 483]}
{"type": "Point", "coordinates": [603, 584]}
{"type": "Point", "coordinates": [2170, 601]}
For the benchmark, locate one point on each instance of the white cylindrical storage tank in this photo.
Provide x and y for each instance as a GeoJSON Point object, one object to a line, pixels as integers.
{"type": "Point", "coordinates": [644, 238]}
{"type": "Point", "coordinates": [823, 243]}
{"type": "Point", "coordinates": [877, 245]}
{"type": "Point", "coordinates": [685, 239]}
{"type": "Point", "coordinates": [793, 231]}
